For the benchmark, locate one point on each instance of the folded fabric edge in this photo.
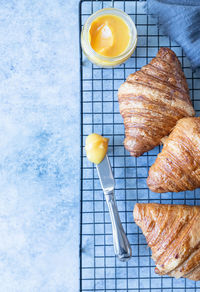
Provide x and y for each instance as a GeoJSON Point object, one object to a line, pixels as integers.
{"type": "Point", "coordinates": [160, 26]}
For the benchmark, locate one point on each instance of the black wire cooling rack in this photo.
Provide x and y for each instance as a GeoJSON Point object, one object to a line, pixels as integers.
{"type": "Point", "coordinates": [100, 270]}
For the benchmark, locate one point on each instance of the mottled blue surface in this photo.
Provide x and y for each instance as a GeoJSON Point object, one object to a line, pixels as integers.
{"type": "Point", "coordinates": [39, 146]}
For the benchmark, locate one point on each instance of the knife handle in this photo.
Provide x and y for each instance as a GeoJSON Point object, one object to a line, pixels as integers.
{"type": "Point", "coordinates": [122, 246]}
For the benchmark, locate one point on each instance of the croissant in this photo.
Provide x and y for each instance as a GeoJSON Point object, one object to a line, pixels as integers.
{"type": "Point", "coordinates": [173, 234]}
{"type": "Point", "coordinates": [152, 100]}
{"type": "Point", "coordinates": [177, 167]}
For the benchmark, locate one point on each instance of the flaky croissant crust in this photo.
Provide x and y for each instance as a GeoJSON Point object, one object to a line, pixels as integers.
{"type": "Point", "coordinates": [152, 100]}
{"type": "Point", "coordinates": [173, 234]}
{"type": "Point", "coordinates": [177, 167]}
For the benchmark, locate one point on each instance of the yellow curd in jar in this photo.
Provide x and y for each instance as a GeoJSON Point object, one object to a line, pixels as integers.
{"type": "Point", "coordinates": [109, 35]}
{"type": "Point", "coordinates": [96, 147]}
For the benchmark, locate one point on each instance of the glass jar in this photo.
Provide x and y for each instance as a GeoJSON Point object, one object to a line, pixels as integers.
{"type": "Point", "coordinates": [104, 61]}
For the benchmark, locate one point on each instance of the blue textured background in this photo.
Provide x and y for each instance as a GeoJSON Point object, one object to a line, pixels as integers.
{"type": "Point", "coordinates": [39, 145]}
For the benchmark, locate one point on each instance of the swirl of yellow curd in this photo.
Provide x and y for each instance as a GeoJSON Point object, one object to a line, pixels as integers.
{"type": "Point", "coordinates": [96, 147]}
{"type": "Point", "coordinates": [109, 35]}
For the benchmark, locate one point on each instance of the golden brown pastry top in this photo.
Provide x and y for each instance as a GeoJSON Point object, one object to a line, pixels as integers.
{"type": "Point", "coordinates": [152, 100]}
{"type": "Point", "coordinates": [177, 167]}
{"type": "Point", "coordinates": [173, 234]}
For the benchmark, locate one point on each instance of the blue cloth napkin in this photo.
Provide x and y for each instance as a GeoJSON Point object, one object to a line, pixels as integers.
{"type": "Point", "coordinates": [180, 20]}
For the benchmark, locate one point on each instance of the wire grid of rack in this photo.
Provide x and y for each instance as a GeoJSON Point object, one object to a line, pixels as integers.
{"type": "Point", "coordinates": [100, 270]}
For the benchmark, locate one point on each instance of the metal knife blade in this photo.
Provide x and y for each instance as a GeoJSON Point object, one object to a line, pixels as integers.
{"type": "Point", "coordinates": [105, 174]}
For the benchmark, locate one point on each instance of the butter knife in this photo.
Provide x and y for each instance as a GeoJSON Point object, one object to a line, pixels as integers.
{"type": "Point", "coordinates": [122, 247]}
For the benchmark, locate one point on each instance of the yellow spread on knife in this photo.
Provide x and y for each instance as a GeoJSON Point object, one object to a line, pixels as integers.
{"type": "Point", "coordinates": [96, 147]}
{"type": "Point", "coordinates": [109, 35]}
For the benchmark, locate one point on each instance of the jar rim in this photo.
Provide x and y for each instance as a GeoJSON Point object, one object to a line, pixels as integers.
{"type": "Point", "coordinates": [116, 12]}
